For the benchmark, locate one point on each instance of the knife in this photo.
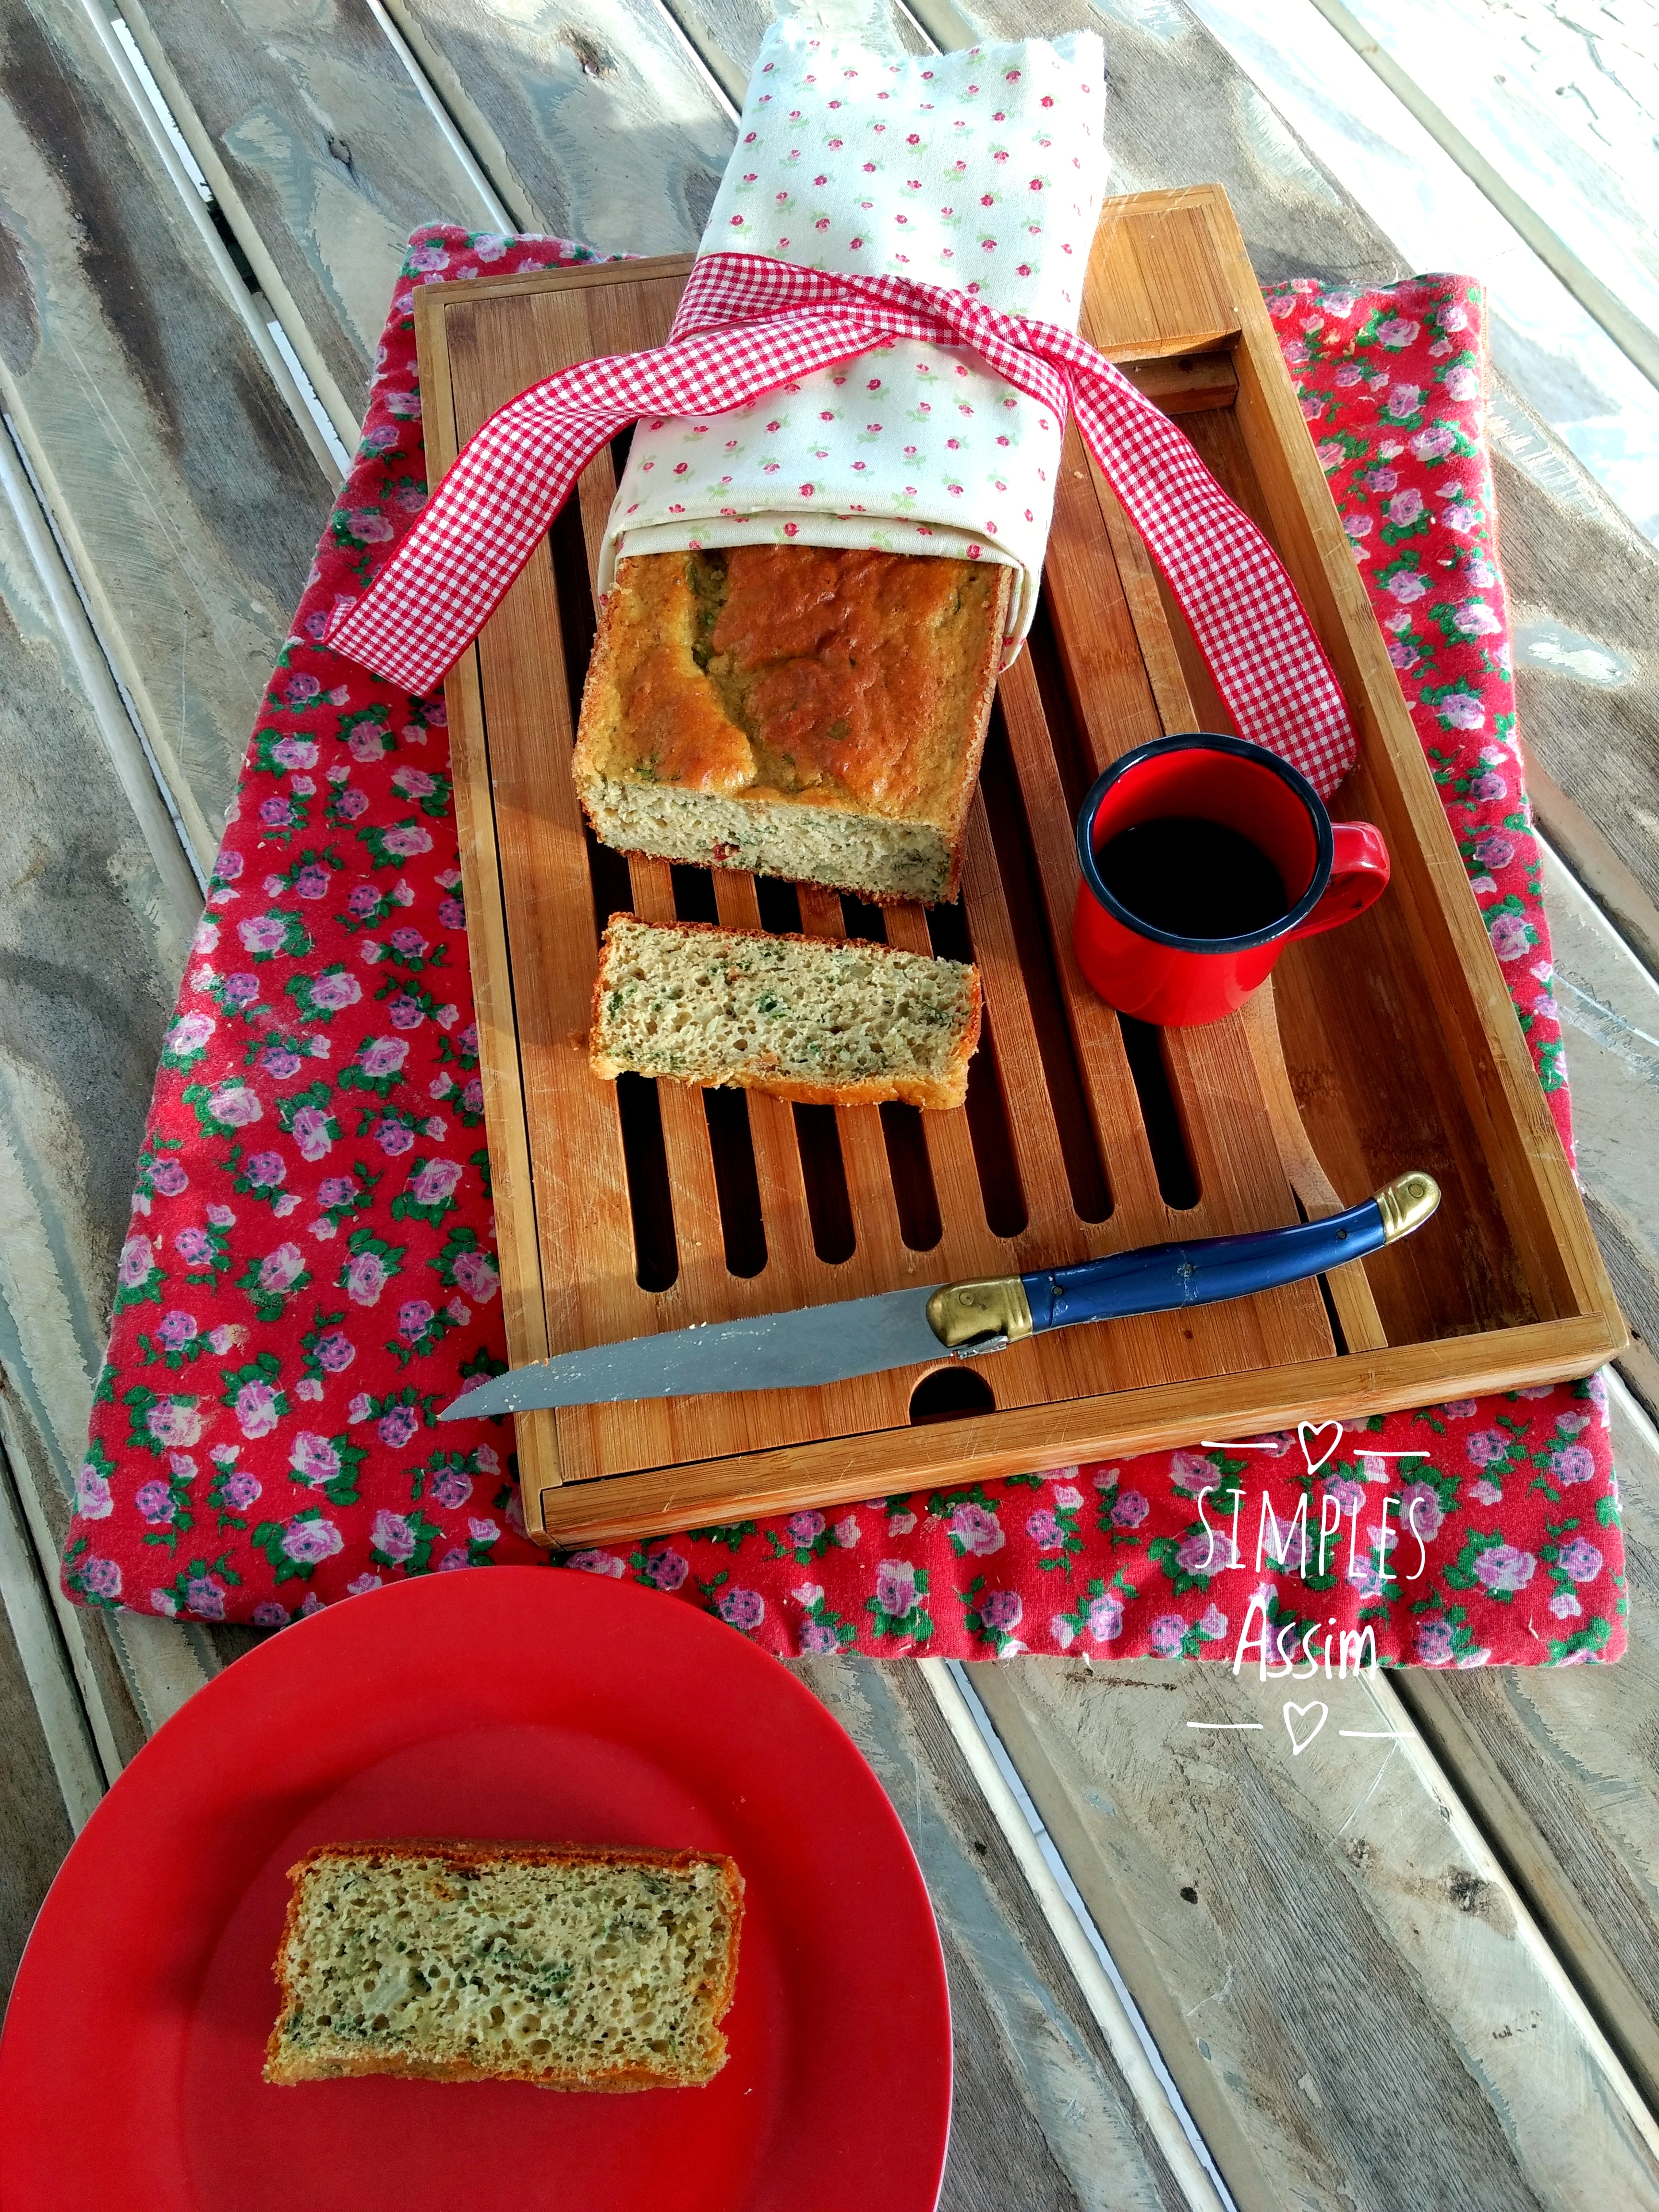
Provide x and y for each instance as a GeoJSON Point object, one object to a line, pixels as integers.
{"type": "Point", "coordinates": [900, 1328]}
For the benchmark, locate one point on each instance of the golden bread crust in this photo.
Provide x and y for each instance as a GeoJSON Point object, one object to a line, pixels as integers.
{"type": "Point", "coordinates": [797, 676]}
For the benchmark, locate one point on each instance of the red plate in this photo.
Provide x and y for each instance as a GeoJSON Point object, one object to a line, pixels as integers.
{"type": "Point", "coordinates": [512, 1703]}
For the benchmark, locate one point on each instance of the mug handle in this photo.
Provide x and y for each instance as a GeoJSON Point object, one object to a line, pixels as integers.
{"type": "Point", "coordinates": [1359, 876]}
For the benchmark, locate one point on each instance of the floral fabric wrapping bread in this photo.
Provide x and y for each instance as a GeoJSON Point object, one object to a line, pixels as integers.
{"type": "Point", "coordinates": [983, 170]}
{"type": "Point", "coordinates": [805, 602]}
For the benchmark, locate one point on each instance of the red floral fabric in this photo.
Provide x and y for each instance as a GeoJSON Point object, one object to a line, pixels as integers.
{"type": "Point", "coordinates": [310, 1271]}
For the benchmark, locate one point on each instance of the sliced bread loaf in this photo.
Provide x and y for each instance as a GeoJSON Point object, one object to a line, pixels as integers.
{"type": "Point", "coordinates": [805, 711]}
{"type": "Point", "coordinates": [552, 1964]}
{"type": "Point", "coordinates": [823, 1020]}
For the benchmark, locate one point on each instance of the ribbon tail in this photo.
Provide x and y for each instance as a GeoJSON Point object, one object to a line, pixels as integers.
{"type": "Point", "coordinates": [496, 503]}
{"type": "Point", "coordinates": [473, 537]}
{"type": "Point", "coordinates": [497, 499]}
{"type": "Point", "coordinates": [1267, 659]}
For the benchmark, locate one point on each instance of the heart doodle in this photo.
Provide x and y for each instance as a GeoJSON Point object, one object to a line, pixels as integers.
{"type": "Point", "coordinates": [1311, 1435]}
{"type": "Point", "coordinates": [1302, 1712]}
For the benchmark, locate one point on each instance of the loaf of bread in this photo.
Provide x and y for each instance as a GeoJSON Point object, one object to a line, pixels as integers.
{"type": "Point", "coordinates": [828, 1021]}
{"type": "Point", "coordinates": [552, 1964]}
{"type": "Point", "coordinates": [815, 713]}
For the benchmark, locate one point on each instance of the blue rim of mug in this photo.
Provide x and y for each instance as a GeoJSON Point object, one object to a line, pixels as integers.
{"type": "Point", "coordinates": [1207, 741]}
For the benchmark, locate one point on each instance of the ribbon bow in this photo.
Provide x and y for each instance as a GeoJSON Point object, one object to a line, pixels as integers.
{"type": "Point", "coordinates": [747, 324]}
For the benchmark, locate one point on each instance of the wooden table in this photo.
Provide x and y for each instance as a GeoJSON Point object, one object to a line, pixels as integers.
{"type": "Point", "coordinates": [1406, 1972]}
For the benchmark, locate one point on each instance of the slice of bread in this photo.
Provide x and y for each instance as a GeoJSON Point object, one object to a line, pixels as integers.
{"type": "Point", "coordinates": [549, 1963]}
{"type": "Point", "coordinates": [811, 712]}
{"type": "Point", "coordinates": [828, 1021]}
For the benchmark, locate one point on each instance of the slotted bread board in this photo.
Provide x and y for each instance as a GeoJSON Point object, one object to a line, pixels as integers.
{"type": "Point", "coordinates": [1390, 1044]}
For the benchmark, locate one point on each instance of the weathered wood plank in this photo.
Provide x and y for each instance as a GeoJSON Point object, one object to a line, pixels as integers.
{"type": "Point", "coordinates": [1592, 581]}
{"type": "Point", "coordinates": [35, 1829]}
{"type": "Point", "coordinates": [186, 493]}
{"type": "Point", "coordinates": [1557, 1765]}
{"type": "Point", "coordinates": [728, 32]}
{"type": "Point", "coordinates": [1345, 1985]}
{"type": "Point", "coordinates": [1544, 340]}
{"type": "Point", "coordinates": [1180, 112]}
{"type": "Point", "coordinates": [117, 1668]}
{"type": "Point", "coordinates": [594, 118]}
{"type": "Point", "coordinates": [1004, 1797]}
{"type": "Point", "coordinates": [324, 155]}
{"type": "Point", "coordinates": [1551, 111]}
{"type": "Point", "coordinates": [1609, 1007]}
{"type": "Point", "coordinates": [1043, 2115]}
{"type": "Point", "coordinates": [91, 943]}
{"type": "Point", "coordinates": [45, 1661]}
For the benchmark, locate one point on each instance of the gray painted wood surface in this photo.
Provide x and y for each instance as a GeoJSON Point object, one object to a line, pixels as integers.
{"type": "Point", "coordinates": [1558, 104]}
{"type": "Point", "coordinates": [35, 1829]}
{"type": "Point", "coordinates": [89, 949]}
{"type": "Point", "coordinates": [726, 34]}
{"type": "Point", "coordinates": [1559, 1766]}
{"type": "Point", "coordinates": [1419, 1951]}
{"type": "Point", "coordinates": [1350, 1995]}
{"type": "Point", "coordinates": [1609, 1003]}
{"type": "Point", "coordinates": [1044, 2118]}
{"type": "Point", "coordinates": [1577, 570]}
{"type": "Point", "coordinates": [187, 493]}
{"type": "Point", "coordinates": [1543, 338]}
{"type": "Point", "coordinates": [321, 151]}
{"type": "Point", "coordinates": [593, 116]}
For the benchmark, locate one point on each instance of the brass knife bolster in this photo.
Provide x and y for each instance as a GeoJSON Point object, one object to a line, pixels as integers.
{"type": "Point", "coordinates": [1406, 1204]}
{"type": "Point", "coordinates": [965, 1316]}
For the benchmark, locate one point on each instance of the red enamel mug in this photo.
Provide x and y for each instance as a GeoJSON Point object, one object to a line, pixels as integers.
{"type": "Point", "coordinates": [1328, 873]}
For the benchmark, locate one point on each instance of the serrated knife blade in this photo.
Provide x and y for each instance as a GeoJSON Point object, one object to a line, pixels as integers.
{"type": "Point", "coordinates": [815, 1345]}
{"type": "Point", "coordinates": [764, 1351]}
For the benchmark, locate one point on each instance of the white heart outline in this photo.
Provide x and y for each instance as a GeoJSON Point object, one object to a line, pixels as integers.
{"type": "Point", "coordinates": [1317, 1706]}
{"type": "Point", "coordinates": [1306, 1429]}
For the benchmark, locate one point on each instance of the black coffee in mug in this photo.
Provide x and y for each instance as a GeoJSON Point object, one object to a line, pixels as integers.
{"type": "Point", "coordinates": [1193, 877]}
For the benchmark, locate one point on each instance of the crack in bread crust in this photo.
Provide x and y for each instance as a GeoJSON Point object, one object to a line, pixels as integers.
{"type": "Point", "coordinates": [813, 713]}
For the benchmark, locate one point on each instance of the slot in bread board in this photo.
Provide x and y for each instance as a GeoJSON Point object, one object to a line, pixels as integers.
{"type": "Point", "coordinates": [622, 1209]}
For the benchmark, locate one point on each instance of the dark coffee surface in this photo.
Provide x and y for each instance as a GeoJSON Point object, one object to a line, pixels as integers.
{"type": "Point", "coordinates": [1192, 878]}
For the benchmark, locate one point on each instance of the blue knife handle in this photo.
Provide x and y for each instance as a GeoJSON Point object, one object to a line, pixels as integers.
{"type": "Point", "coordinates": [1157, 1277]}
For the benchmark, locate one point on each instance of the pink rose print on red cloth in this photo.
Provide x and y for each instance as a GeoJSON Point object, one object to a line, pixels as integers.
{"type": "Point", "coordinates": [309, 1274]}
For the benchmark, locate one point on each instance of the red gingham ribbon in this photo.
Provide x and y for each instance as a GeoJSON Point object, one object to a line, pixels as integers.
{"type": "Point", "coordinates": [747, 324]}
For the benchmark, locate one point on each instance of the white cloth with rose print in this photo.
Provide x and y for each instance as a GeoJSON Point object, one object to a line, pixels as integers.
{"type": "Point", "coordinates": [983, 169]}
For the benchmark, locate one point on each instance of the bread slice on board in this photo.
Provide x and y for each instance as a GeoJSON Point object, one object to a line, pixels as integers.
{"type": "Point", "coordinates": [554, 1964]}
{"type": "Point", "coordinates": [812, 712]}
{"type": "Point", "coordinates": [826, 1021]}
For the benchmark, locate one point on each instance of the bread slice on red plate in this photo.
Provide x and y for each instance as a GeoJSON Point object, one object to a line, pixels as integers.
{"type": "Point", "coordinates": [561, 1965]}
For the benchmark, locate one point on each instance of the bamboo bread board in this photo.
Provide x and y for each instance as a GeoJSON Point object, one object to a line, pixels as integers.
{"type": "Point", "coordinates": [1389, 1044]}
